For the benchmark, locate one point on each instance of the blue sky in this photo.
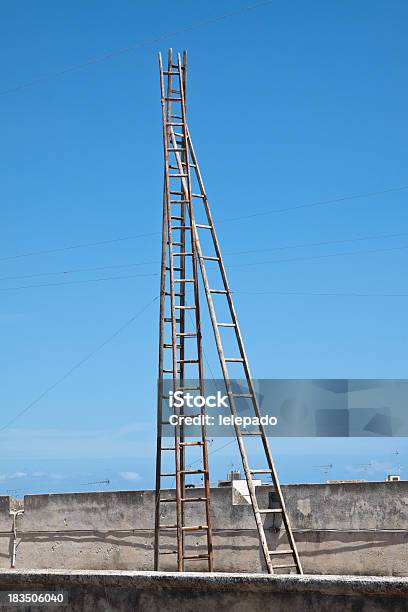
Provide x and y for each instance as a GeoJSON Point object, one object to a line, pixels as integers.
{"type": "Point", "coordinates": [290, 103]}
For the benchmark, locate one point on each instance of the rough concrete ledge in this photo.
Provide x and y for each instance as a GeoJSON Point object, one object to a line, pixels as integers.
{"type": "Point", "coordinates": [199, 592]}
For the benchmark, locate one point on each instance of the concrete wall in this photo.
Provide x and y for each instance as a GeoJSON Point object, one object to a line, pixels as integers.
{"type": "Point", "coordinates": [154, 592]}
{"type": "Point", "coordinates": [340, 529]}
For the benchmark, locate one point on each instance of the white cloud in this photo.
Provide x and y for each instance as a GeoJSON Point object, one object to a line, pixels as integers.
{"type": "Point", "coordinates": [131, 476]}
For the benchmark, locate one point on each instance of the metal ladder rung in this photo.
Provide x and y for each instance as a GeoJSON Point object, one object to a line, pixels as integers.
{"type": "Point", "coordinates": [169, 499]}
{"type": "Point", "coordinates": [176, 218]}
{"type": "Point", "coordinates": [234, 359]}
{"type": "Point", "coordinates": [197, 195]}
{"type": "Point", "coordinates": [195, 557]}
{"type": "Point", "coordinates": [226, 324]}
{"type": "Point", "coordinates": [169, 320]}
{"type": "Point", "coordinates": [172, 99]}
{"type": "Point", "coordinates": [185, 307]}
{"type": "Point", "coordinates": [174, 269]}
{"type": "Point", "coordinates": [179, 201]}
{"type": "Point", "coordinates": [184, 280]}
{"type": "Point", "coordinates": [178, 175]}
{"type": "Point", "coordinates": [168, 448]}
{"type": "Point", "coordinates": [182, 254]}
{"type": "Point", "coordinates": [202, 226]}
{"type": "Point", "coordinates": [179, 193]}
{"type": "Point", "coordinates": [284, 566]}
{"type": "Point", "coordinates": [176, 116]}
{"type": "Point", "coordinates": [210, 258]}
{"type": "Point", "coordinates": [178, 150]}
{"type": "Point", "coordinates": [270, 510]}
{"type": "Point", "coordinates": [169, 346]}
{"type": "Point", "coordinates": [193, 499]}
{"type": "Point", "coordinates": [221, 291]}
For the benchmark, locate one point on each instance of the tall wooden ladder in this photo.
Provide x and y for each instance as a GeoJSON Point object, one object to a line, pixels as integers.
{"type": "Point", "coordinates": [180, 350]}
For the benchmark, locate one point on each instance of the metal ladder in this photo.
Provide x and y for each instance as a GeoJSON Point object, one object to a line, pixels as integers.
{"type": "Point", "coordinates": [179, 269]}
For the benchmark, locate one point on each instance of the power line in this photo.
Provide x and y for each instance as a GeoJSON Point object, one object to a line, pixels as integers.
{"type": "Point", "coordinates": [320, 203]}
{"type": "Point", "coordinates": [76, 282]}
{"type": "Point", "coordinates": [135, 46]}
{"type": "Point", "coordinates": [225, 220]}
{"type": "Point", "coordinates": [321, 293]}
{"type": "Point", "coordinates": [77, 246]}
{"type": "Point", "coordinates": [151, 262]}
{"type": "Point", "coordinates": [311, 257]}
{"type": "Point", "coordinates": [78, 365]}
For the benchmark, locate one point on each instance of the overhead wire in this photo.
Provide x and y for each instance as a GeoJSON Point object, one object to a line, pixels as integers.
{"type": "Point", "coordinates": [77, 365]}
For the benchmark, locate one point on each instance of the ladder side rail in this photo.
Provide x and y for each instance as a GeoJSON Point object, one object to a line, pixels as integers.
{"type": "Point", "coordinates": [166, 118]}
{"type": "Point", "coordinates": [248, 475]}
{"type": "Point", "coordinates": [254, 399]}
{"type": "Point", "coordinates": [160, 386]}
{"type": "Point", "coordinates": [187, 190]}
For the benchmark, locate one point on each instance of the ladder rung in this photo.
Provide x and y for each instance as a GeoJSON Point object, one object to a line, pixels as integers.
{"type": "Point", "coordinates": [169, 72]}
{"type": "Point", "coordinates": [169, 320]}
{"type": "Point", "coordinates": [193, 471]}
{"type": "Point", "coordinates": [178, 201]}
{"type": "Point", "coordinates": [178, 175]}
{"type": "Point", "coordinates": [168, 448]}
{"type": "Point", "coordinates": [193, 165]}
{"type": "Point", "coordinates": [218, 291]}
{"type": "Point", "coordinates": [284, 566]}
{"type": "Point", "coordinates": [234, 359]}
{"type": "Point", "coordinates": [270, 510]}
{"type": "Point", "coordinates": [178, 150]}
{"type": "Point", "coordinates": [196, 557]}
{"type": "Point", "coordinates": [173, 123]}
{"type": "Point", "coordinates": [169, 346]}
{"type": "Point", "coordinates": [168, 474]}
{"type": "Point", "coordinates": [196, 528]}
{"type": "Point", "coordinates": [240, 394]}
{"type": "Point", "coordinates": [210, 258]}
{"type": "Point", "coordinates": [172, 99]}
{"type": "Point", "coordinates": [176, 116]}
{"type": "Point", "coordinates": [226, 324]}
{"type": "Point", "coordinates": [176, 218]}
{"type": "Point", "coordinates": [184, 280]}
{"type": "Point", "coordinates": [189, 388]}
{"type": "Point", "coordinates": [188, 361]}
{"type": "Point", "coordinates": [175, 269]}
{"type": "Point", "coordinates": [169, 499]}
{"type": "Point", "coordinates": [170, 552]}
{"type": "Point", "coordinates": [176, 294]}
{"type": "Point", "coordinates": [261, 471]}
{"type": "Point", "coordinates": [251, 433]}
{"type": "Point", "coordinates": [186, 334]}
{"type": "Point", "coordinates": [179, 134]}
{"type": "Point", "coordinates": [193, 499]}
{"type": "Point", "coordinates": [197, 195]}
{"type": "Point", "coordinates": [191, 443]}
{"type": "Point", "coordinates": [182, 254]}
{"type": "Point", "coordinates": [180, 193]}
{"type": "Point", "coordinates": [185, 307]}
{"type": "Point", "coordinates": [201, 226]}
{"type": "Point", "coordinates": [287, 551]}
{"type": "Point", "coordinates": [180, 244]}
